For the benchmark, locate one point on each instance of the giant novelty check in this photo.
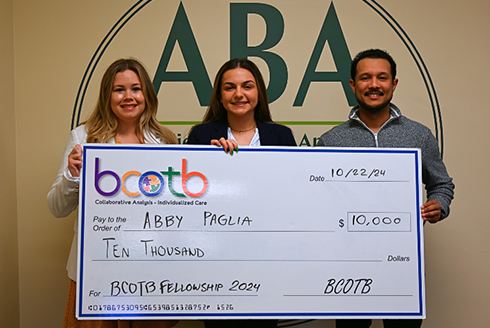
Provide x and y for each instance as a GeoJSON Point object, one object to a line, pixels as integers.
{"type": "Point", "coordinates": [270, 232]}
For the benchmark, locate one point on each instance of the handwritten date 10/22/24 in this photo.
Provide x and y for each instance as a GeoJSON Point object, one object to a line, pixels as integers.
{"type": "Point", "coordinates": [353, 172]}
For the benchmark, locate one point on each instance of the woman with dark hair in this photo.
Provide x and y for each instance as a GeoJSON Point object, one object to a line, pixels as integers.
{"type": "Point", "coordinates": [238, 113]}
{"type": "Point", "coordinates": [125, 113]}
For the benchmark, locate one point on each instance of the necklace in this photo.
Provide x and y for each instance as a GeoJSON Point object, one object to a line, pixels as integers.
{"type": "Point", "coordinates": [241, 131]}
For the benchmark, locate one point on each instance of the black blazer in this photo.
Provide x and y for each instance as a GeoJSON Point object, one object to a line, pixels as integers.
{"type": "Point", "coordinates": [271, 134]}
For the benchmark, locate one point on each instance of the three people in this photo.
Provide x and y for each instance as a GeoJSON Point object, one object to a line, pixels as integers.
{"type": "Point", "coordinates": [239, 115]}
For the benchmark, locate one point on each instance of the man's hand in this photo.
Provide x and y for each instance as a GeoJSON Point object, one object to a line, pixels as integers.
{"type": "Point", "coordinates": [431, 211]}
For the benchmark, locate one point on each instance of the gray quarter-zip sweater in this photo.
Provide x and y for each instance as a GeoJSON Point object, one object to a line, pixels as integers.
{"type": "Point", "coordinates": [398, 132]}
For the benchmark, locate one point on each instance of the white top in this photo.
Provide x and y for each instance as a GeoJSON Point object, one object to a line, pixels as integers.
{"type": "Point", "coordinates": [255, 142]}
{"type": "Point", "coordinates": [63, 196]}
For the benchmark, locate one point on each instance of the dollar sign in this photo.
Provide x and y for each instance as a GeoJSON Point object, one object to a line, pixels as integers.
{"type": "Point", "coordinates": [341, 223]}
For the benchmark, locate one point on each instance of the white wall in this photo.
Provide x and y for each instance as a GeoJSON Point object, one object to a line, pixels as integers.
{"type": "Point", "coordinates": [49, 47]}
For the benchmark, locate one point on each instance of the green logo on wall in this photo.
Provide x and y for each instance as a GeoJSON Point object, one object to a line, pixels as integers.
{"type": "Point", "coordinates": [331, 39]}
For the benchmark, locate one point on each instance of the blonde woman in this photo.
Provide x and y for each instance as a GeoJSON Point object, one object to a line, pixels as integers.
{"type": "Point", "coordinates": [125, 113]}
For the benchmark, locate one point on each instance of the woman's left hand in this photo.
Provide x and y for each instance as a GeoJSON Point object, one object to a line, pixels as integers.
{"type": "Point", "coordinates": [229, 146]}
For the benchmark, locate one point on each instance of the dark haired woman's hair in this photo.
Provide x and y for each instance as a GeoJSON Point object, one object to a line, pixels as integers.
{"type": "Point", "coordinates": [216, 110]}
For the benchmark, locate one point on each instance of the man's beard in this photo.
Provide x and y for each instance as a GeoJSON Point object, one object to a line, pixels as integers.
{"type": "Point", "coordinates": [373, 109]}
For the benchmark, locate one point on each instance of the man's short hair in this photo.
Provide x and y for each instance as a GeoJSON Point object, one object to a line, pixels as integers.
{"type": "Point", "coordinates": [374, 54]}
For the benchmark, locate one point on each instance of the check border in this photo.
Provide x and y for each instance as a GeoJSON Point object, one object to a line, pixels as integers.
{"type": "Point", "coordinates": [300, 315]}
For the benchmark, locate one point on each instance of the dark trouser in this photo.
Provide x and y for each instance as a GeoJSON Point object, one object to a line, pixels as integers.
{"type": "Point", "coordinates": [387, 323]}
{"type": "Point", "coordinates": [240, 323]}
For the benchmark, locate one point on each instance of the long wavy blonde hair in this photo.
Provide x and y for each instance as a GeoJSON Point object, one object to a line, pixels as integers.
{"type": "Point", "coordinates": [102, 123]}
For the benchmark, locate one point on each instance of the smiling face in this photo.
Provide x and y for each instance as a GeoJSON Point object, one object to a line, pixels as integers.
{"type": "Point", "coordinates": [374, 85]}
{"type": "Point", "coordinates": [239, 93]}
{"type": "Point", "coordinates": [127, 99]}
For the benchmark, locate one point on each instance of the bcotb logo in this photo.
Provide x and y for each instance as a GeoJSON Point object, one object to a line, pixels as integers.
{"type": "Point", "coordinates": [150, 183]}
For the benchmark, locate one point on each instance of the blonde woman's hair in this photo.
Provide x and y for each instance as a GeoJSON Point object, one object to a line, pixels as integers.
{"type": "Point", "coordinates": [102, 123]}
